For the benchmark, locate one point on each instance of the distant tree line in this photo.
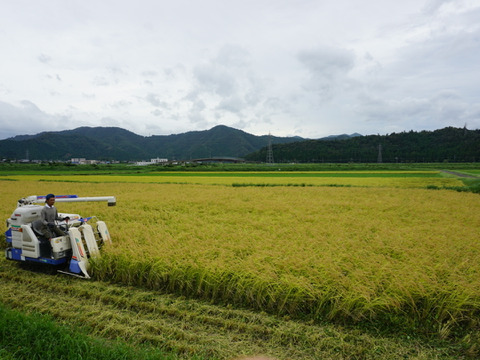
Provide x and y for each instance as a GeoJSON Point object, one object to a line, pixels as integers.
{"type": "Point", "coordinates": [445, 145]}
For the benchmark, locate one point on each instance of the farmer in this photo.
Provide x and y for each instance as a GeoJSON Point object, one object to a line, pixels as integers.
{"type": "Point", "coordinates": [46, 225]}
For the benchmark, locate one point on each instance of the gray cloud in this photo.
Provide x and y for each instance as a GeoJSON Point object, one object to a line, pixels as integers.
{"type": "Point", "coordinates": [101, 81]}
{"type": "Point", "coordinates": [327, 62]}
{"type": "Point", "coordinates": [215, 79]}
{"type": "Point", "coordinates": [429, 83]}
{"type": "Point", "coordinates": [149, 73]}
{"type": "Point", "coordinates": [31, 119]}
{"type": "Point", "coordinates": [442, 109]}
{"type": "Point", "coordinates": [328, 69]}
{"type": "Point", "coordinates": [232, 104]}
{"type": "Point", "coordinates": [228, 89]}
{"type": "Point", "coordinates": [196, 115]}
{"type": "Point", "coordinates": [155, 100]}
{"type": "Point", "coordinates": [120, 104]}
{"type": "Point", "coordinates": [309, 68]}
{"type": "Point", "coordinates": [44, 58]}
{"type": "Point", "coordinates": [432, 6]}
{"type": "Point", "coordinates": [157, 112]}
{"type": "Point", "coordinates": [54, 77]}
{"type": "Point", "coordinates": [223, 74]}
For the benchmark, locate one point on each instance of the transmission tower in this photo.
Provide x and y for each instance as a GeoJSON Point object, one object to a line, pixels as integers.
{"type": "Point", "coordinates": [269, 150]}
{"type": "Point", "coordinates": [379, 160]}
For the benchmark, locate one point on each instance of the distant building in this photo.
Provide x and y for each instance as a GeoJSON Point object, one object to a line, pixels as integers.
{"type": "Point", "coordinates": [158, 161]}
{"type": "Point", "coordinates": [152, 162]}
{"type": "Point", "coordinates": [83, 161]}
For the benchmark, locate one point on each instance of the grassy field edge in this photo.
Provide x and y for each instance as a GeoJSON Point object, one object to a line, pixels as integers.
{"type": "Point", "coordinates": [37, 336]}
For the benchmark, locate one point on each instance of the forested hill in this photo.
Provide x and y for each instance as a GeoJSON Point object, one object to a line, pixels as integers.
{"type": "Point", "coordinates": [112, 143]}
{"type": "Point", "coordinates": [448, 144]}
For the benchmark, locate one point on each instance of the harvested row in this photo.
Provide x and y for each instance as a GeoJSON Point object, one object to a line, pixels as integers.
{"type": "Point", "coordinates": [188, 327]}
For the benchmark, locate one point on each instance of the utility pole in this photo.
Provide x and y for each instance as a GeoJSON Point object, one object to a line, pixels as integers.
{"type": "Point", "coordinates": [379, 159]}
{"type": "Point", "coordinates": [269, 150]}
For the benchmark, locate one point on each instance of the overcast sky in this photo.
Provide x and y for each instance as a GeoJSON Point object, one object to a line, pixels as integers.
{"type": "Point", "coordinates": [310, 68]}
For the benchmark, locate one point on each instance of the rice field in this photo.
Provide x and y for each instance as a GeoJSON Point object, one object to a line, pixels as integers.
{"type": "Point", "coordinates": [51, 317]}
{"type": "Point", "coordinates": [401, 179]}
{"type": "Point", "coordinates": [378, 248]}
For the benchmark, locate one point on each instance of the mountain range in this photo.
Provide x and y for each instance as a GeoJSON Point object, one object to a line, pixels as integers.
{"type": "Point", "coordinates": [112, 143]}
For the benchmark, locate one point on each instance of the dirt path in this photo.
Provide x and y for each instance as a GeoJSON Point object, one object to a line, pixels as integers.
{"type": "Point", "coordinates": [460, 174]}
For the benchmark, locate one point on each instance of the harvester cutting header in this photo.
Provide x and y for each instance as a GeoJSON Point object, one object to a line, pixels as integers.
{"type": "Point", "coordinates": [39, 234]}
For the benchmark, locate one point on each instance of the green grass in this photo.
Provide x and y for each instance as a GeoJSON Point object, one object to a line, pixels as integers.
{"type": "Point", "coordinates": [36, 336]}
{"type": "Point", "coordinates": [471, 185]}
{"type": "Point", "coordinates": [60, 168]}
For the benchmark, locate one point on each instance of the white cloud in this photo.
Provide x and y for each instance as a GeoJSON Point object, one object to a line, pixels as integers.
{"type": "Point", "coordinates": [307, 68]}
{"type": "Point", "coordinates": [27, 118]}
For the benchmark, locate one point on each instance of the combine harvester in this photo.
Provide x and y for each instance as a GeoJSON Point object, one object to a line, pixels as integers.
{"type": "Point", "coordinates": [68, 253]}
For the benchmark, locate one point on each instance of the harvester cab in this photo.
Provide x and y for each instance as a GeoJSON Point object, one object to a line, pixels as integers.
{"type": "Point", "coordinates": [69, 253]}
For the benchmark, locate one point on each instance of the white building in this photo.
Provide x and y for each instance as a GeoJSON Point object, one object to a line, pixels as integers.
{"type": "Point", "coordinates": [83, 161]}
{"type": "Point", "coordinates": [152, 161]}
{"type": "Point", "coordinates": [158, 161]}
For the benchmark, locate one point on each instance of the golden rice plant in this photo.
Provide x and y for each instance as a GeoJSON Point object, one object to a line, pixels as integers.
{"type": "Point", "coordinates": [347, 253]}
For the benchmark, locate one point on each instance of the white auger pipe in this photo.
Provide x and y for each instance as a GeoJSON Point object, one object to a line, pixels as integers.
{"type": "Point", "coordinates": [110, 199]}
{"type": "Point", "coordinates": [34, 199]}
